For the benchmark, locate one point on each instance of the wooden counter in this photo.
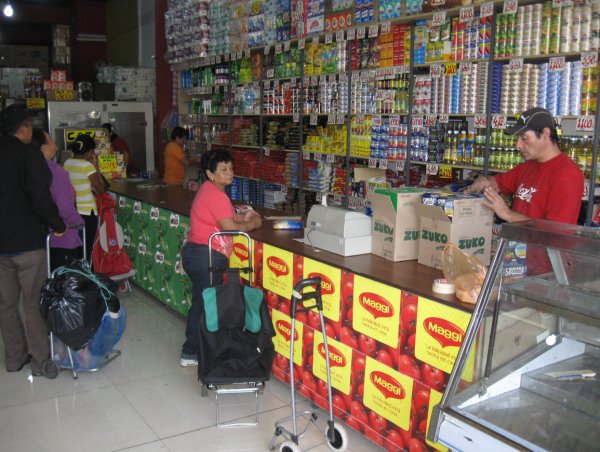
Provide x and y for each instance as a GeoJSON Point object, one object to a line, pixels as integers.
{"type": "Point", "coordinates": [408, 275]}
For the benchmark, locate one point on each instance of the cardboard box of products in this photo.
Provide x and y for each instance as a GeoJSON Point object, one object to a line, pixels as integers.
{"type": "Point", "coordinates": [395, 222]}
{"type": "Point", "coordinates": [463, 220]}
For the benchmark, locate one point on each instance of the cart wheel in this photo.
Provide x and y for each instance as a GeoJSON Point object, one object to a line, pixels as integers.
{"type": "Point", "coordinates": [203, 391]}
{"type": "Point", "coordinates": [49, 369]}
{"type": "Point", "coordinates": [341, 438]}
{"type": "Point", "coordinates": [289, 446]}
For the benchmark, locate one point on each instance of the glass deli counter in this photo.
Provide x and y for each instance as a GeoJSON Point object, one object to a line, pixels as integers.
{"type": "Point", "coordinates": [528, 373]}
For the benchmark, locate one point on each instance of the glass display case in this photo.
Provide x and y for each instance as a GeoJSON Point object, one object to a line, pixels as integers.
{"type": "Point", "coordinates": [528, 372]}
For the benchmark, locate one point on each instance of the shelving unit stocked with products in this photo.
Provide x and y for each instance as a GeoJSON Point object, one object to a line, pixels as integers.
{"type": "Point", "coordinates": [307, 90]}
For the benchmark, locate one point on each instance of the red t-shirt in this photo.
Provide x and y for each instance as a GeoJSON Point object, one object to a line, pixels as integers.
{"type": "Point", "coordinates": [210, 205]}
{"type": "Point", "coordinates": [551, 190]}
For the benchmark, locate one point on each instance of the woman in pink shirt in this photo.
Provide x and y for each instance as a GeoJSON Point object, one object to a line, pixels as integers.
{"type": "Point", "coordinates": [211, 211]}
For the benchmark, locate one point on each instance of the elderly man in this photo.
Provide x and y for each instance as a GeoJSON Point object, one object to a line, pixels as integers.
{"type": "Point", "coordinates": [28, 212]}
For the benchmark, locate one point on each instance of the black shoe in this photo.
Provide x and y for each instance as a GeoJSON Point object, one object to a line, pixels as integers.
{"type": "Point", "coordinates": [27, 360]}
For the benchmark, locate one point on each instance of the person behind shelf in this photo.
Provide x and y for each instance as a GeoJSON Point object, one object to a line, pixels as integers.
{"type": "Point", "coordinates": [65, 248]}
{"type": "Point", "coordinates": [27, 213]}
{"type": "Point", "coordinates": [87, 180]}
{"type": "Point", "coordinates": [547, 185]}
{"type": "Point", "coordinates": [175, 159]}
{"type": "Point", "coordinates": [211, 211]}
{"type": "Point", "coordinates": [118, 144]}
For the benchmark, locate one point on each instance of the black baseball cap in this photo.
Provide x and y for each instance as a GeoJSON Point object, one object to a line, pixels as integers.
{"type": "Point", "coordinates": [13, 116]}
{"type": "Point", "coordinates": [533, 119]}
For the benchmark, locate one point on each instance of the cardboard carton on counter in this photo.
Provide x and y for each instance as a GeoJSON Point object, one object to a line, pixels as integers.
{"type": "Point", "coordinates": [396, 222]}
{"type": "Point", "coordinates": [466, 222]}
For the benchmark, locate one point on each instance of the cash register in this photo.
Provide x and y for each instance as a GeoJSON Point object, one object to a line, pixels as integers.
{"type": "Point", "coordinates": [338, 231]}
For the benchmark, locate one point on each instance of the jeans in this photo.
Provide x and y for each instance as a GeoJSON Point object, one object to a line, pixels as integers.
{"type": "Point", "coordinates": [195, 264]}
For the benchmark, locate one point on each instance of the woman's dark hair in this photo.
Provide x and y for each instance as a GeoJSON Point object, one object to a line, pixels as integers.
{"type": "Point", "coordinates": [211, 159]}
{"type": "Point", "coordinates": [38, 138]}
{"type": "Point", "coordinates": [178, 132]}
{"type": "Point", "coordinates": [112, 133]}
{"type": "Point", "coordinates": [82, 144]}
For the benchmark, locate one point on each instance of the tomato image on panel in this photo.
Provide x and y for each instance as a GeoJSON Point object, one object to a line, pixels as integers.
{"type": "Point", "coordinates": [283, 332]}
{"type": "Point", "coordinates": [388, 393]}
{"type": "Point", "coordinates": [277, 270]}
{"type": "Point", "coordinates": [376, 310]}
{"type": "Point", "coordinates": [340, 362]}
{"type": "Point", "coordinates": [440, 333]}
{"type": "Point", "coordinates": [330, 286]}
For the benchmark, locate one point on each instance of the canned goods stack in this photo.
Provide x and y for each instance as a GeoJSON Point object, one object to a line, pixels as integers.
{"type": "Point", "coordinates": [397, 140]}
{"type": "Point", "coordinates": [455, 93]}
{"type": "Point", "coordinates": [468, 96]}
{"type": "Point", "coordinates": [574, 106]}
{"type": "Point", "coordinates": [187, 30]}
{"type": "Point", "coordinates": [379, 141]}
{"type": "Point", "coordinates": [564, 91]}
{"type": "Point", "coordinates": [422, 95]}
{"type": "Point", "coordinates": [482, 87]}
{"type": "Point", "coordinates": [595, 27]}
{"type": "Point", "coordinates": [419, 144]}
{"type": "Point", "coordinates": [218, 14]}
{"type": "Point", "coordinates": [360, 138]}
{"type": "Point", "coordinates": [589, 90]}
{"type": "Point", "coordinates": [542, 87]}
{"type": "Point", "coordinates": [553, 89]}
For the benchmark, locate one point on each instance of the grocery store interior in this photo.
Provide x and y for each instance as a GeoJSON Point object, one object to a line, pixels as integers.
{"type": "Point", "coordinates": [358, 130]}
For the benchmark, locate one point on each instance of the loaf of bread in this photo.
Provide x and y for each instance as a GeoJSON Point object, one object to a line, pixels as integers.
{"type": "Point", "coordinates": [468, 286]}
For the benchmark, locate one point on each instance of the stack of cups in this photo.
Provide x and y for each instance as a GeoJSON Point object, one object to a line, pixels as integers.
{"type": "Point", "coordinates": [498, 80]}
{"type": "Point", "coordinates": [482, 82]}
{"type": "Point", "coordinates": [565, 29]}
{"type": "Point", "coordinates": [565, 90]}
{"type": "Point", "coordinates": [542, 85]}
{"type": "Point", "coordinates": [575, 88]}
{"type": "Point", "coordinates": [552, 92]}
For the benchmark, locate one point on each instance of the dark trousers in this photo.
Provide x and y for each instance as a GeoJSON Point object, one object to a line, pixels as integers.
{"type": "Point", "coordinates": [195, 263]}
{"type": "Point", "coordinates": [91, 226]}
{"type": "Point", "coordinates": [23, 274]}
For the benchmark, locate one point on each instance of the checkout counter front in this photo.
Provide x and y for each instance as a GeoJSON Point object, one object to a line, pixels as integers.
{"type": "Point", "coordinates": [392, 341]}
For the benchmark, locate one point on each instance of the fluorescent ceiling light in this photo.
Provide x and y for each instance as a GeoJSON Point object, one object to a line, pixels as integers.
{"type": "Point", "coordinates": [8, 10]}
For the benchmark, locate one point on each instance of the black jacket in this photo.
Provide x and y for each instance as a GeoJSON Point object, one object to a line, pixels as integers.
{"type": "Point", "coordinates": [26, 206]}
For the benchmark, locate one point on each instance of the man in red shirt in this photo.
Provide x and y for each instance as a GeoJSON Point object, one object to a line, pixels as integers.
{"type": "Point", "coordinates": [547, 185]}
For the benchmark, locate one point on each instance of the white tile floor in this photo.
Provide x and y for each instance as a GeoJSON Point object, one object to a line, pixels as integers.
{"type": "Point", "coordinates": [143, 401]}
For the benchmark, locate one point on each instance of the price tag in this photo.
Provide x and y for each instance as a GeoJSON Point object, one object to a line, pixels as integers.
{"type": "Point", "coordinates": [435, 71]}
{"type": "Point", "coordinates": [314, 80]}
{"type": "Point", "coordinates": [356, 203]}
{"type": "Point", "coordinates": [340, 118]}
{"type": "Point", "coordinates": [380, 74]}
{"type": "Point", "coordinates": [270, 72]}
{"type": "Point", "coordinates": [305, 155]}
{"type": "Point", "coordinates": [293, 81]}
{"type": "Point", "coordinates": [315, 40]}
{"type": "Point", "coordinates": [301, 43]}
{"type": "Point", "coordinates": [317, 156]}
{"type": "Point", "coordinates": [417, 121]}
{"type": "Point", "coordinates": [400, 165]}
{"type": "Point", "coordinates": [510, 6]}
{"type": "Point", "coordinates": [247, 53]}
{"type": "Point", "coordinates": [445, 172]}
{"type": "Point", "coordinates": [377, 120]}
{"type": "Point", "coordinates": [432, 169]}
{"type": "Point", "coordinates": [466, 14]}
{"type": "Point", "coordinates": [383, 163]}
{"type": "Point", "coordinates": [498, 121]}
{"type": "Point", "coordinates": [559, 3]}
{"type": "Point", "coordinates": [212, 60]}
{"type": "Point", "coordinates": [318, 198]}
{"type": "Point", "coordinates": [284, 189]}
{"type": "Point", "coordinates": [443, 119]}
{"type": "Point", "coordinates": [227, 57]}
{"type": "Point", "coordinates": [331, 118]}
{"type": "Point", "coordinates": [480, 121]}
{"type": "Point", "coordinates": [267, 151]}
{"type": "Point", "coordinates": [589, 60]}
{"type": "Point", "coordinates": [430, 120]}
{"type": "Point", "coordinates": [351, 34]}
{"type": "Point", "coordinates": [35, 102]}
{"type": "Point", "coordinates": [372, 163]}
{"type": "Point", "coordinates": [328, 38]}
{"type": "Point", "coordinates": [439, 17]}
{"type": "Point", "coordinates": [450, 69]}
{"type": "Point", "coordinates": [286, 46]}
{"type": "Point", "coordinates": [330, 158]}
{"type": "Point", "coordinates": [361, 32]}
{"type": "Point", "coordinates": [360, 119]}
{"type": "Point", "coordinates": [386, 27]}
{"type": "Point", "coordinates": [556, 64]}
{"type": "Point", "coordinates": [277, 49]}
{"type": "Point", "coordinates": [394, 120]}
{"type": "Point", "coordinates": [373, 30]}
{"type": "Point", "coordinates": [515, 65]}
{"type": "Point", "coordinates": [402, 69]}
{"type": "Point", "coordinates": [256, 85]}
{"type": "Point", "coordinates": [465, 68]}
{"type": "Point", "coordinates": [343, 78]}
{"type": "Point", "coordinates": [486, 9]}
{"type": "Point", "coordinates": [585, 124]}
{"type": "Point", "coordinates": [314, 119]}
{"type": "Point", "coordinates": [296, 117]}
{"type": "Point", "coordinates": [338, 199]}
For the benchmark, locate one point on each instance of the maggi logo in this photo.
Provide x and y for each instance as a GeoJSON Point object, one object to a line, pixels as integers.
{"type": "Point", "coordinates": [336, 358]}
{"type": "Point", "coordinates": [277, 266]}
{"type": "Point", "coordinates": [286, 330]}
{"type": "Point", "coordinates": [241, 251]}
{"type": "Point", "coordinates": [444, 332]}
{"type": "Point", "coordinates": [387, 385]}
{"type": "Point", "coordinates": [327, 286]}
{"type": "Point", "coordinates": [376, 305]}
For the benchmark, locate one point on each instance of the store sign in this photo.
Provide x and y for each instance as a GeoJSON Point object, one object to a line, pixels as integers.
{"type": "Point", "coordinates": [585, 124]}
{"type": "Point", "coordinates": [282, 324]}
{"type": "Point", "coordinates": [556, 64]}
{"type": "Point", "coordinates": [466, 14]}
{"type": "Point", "coordinates": [498, 121]}
{"type": "Point", "coordinates": [589, 60]}
{"type": "Point", "coordinates": [277, 276]}
{"type": "Point", "coordinates": [330, 286]}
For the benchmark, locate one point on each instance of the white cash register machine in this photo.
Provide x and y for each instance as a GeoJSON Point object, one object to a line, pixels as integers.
{"type": "Point", "coordinates": [338, 231]}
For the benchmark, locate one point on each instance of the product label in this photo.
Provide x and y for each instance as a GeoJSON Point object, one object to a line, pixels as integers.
{"type": "Point", "coordinates": [340, 362]}
{"type": "Point", "coordinates": [282, 323]}
{"type": "Point", "coordinates": [376, 310]}
{"type": "Point", "coordinates": [330, 286]}
{"type": "Point", "coordinates": [239, 256]}
{"type": "Point", "coordinates": [388, 393]}
{"type": "Point", "coordinates": [440, 333]}
{"type": "Point", "coordinates": [277, 271]}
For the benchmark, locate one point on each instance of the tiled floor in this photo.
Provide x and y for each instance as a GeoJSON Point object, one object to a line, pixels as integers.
{"type": "Point", "coordinates": [142, 401]}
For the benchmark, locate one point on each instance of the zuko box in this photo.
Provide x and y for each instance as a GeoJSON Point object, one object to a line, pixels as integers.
{"type": "Point", "coordinates": [460, 219]}
{"type": "Point", "coordinates": [395, 222]}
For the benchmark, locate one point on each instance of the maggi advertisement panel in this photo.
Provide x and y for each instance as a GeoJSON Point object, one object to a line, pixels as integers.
{"type": "Point", "coordinates": [330, 286]}
{"type": "Point", "coordinates": [277, 270]}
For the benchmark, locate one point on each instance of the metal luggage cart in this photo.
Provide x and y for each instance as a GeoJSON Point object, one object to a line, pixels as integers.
{"type": "Point", "coordinates": [335, 434]}
{"type": "Point", "coordinates": [51, 367]}
{"type": "Point", "coordinates": [223, 384]}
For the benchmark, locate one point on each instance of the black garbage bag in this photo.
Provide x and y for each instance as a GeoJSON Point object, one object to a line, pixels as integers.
{"type": "Point", "coordinates": [73, 301]}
